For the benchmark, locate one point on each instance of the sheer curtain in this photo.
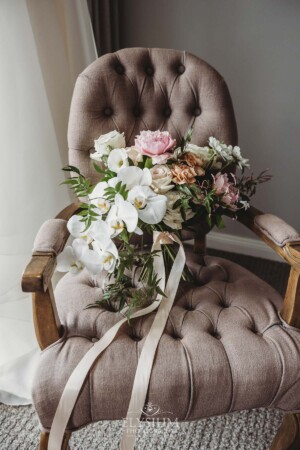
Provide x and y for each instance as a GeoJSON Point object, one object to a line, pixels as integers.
{"type": "Point", "coordinates": [43, 46]}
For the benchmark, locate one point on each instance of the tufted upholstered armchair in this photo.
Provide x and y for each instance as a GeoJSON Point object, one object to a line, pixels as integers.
{"type": "Point", "coordinates": [231, 342]}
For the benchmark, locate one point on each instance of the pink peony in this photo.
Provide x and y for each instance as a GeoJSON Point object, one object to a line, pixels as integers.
{"type": "Point", "coordinates": [156, 144]}
{"type": "Point", "coordinates": [221, 183]}
{"type": "Point", "coordinates": [230, 193]}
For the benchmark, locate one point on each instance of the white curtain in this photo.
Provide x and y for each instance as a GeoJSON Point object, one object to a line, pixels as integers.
{"type": "Point", "coordinates": [44, 45]}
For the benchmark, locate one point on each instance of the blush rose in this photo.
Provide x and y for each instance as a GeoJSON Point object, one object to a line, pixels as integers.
{"type": "Point", "coordinates": [156, 144]}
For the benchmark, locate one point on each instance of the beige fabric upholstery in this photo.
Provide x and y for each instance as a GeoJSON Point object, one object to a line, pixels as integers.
{"type": "Point", "coordinates": [276, 229]}
{"type": "Point", "coordinates": [137, 88]}
{"type": "Point", "coordinates": [51, 236]}
{"type": "Point", "coordinates": [223, 349]}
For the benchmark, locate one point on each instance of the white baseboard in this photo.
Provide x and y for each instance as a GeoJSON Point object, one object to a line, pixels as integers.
{"type": "Point", "coordinates": [238, 244]}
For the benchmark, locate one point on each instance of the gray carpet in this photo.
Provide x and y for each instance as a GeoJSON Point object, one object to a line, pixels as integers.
{"type": "Point", "coordinates": [245, 430]}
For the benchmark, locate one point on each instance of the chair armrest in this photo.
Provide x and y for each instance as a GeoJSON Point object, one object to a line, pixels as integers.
{"type": "Point", "coordinates": [276, 233]}
{"type": "Point", "coordinates": [49, 242]}
{"type": "Point", "coordinates": [285, 240]}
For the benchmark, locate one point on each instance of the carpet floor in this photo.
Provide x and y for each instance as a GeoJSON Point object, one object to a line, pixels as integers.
{"type": "Point", "coordinates": [244, 430]}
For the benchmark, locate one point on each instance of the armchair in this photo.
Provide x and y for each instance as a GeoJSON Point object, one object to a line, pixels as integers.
{"type": "Point", "coordinates": [239, 353]}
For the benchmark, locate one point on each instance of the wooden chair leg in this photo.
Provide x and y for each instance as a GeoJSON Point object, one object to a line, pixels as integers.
{"type": "Point", "coordinates": [288, 435]}
{"type": "Point", "coordinates": [44, 441]}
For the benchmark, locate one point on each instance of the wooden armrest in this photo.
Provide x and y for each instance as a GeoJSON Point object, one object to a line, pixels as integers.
{"type": "Point", "coordinates": [37, 279]}
{"type": "Point", "coordinates": [69, 211]}
{"type": "Point", "coordinates": [39, 271]}
{"type": "Point", "coordinates": [290, 252]}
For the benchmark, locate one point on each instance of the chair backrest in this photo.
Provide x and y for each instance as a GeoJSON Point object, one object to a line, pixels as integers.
{"type": "Point", "coordinates": [137, 89]}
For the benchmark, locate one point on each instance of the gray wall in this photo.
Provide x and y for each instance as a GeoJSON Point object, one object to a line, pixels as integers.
{"type": "Point", "coordinates": [255, 45]}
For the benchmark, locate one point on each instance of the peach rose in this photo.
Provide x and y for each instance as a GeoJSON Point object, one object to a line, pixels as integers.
{"type": "Point", "coordinates": [183, 174]}
{"type": "Point", "coordinates": [194, 161]}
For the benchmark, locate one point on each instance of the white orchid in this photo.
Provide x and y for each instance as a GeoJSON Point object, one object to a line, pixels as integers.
{"type": "Point", "coordinates": [134, 176]}
{"type": "Point", "coordinates": [117, 159]}
{"type": "Point", "coordinates": [104, 256]}
{"type": "Point", "coordinates": [151, 206]}
{"type": "Point", "coordinates": [100, 230]}
{"type": "Point", "coordinates": [77, 228]}
{"type": "Point", "coordinates": [71, 259]}
{"type": "Point", "coordinates": [97, 198]}
{"type": "Point", "coordinates": [106, 142]}
{"type": "Point", "coordinates": [121, 213]}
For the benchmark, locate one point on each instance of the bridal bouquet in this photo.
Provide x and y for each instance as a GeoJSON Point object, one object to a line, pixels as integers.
{"type": "Point", "coordinates": [155, 185]}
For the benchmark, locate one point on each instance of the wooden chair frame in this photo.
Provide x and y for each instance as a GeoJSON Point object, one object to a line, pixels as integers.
{"type": "Point", "coordinates": [37, 279]}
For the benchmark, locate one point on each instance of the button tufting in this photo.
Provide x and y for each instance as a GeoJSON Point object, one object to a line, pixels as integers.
{"type": "Point", "coordinates": [197, 111]}
{"type": "Point", "coordinates": [181, 69]}
{"type": "Point", "coordinates": [255, 331]}
{"type": "Point", "coordinates": [190, 308]}
{"type": "Point", "coordinates": [94, 339]}
{"type": "Point", "coordinates": [216, 335]}
{"type": "Point", "coordinates": [149, 70]}
{"type": "Point", "coordinates": [120, 69]}
{"type": "Point", "coordinates": [224, 305]}
{"type": "Point", "coordinates": [167, 112]}
{"type": "Point", "coordinates": [136, 338]}
{"type": "Point", "coordinates": [136, 111]}
{"type": "Point", "coordinates": [108, 111]}
{"type": "Point", "coordinates": [176, 337]}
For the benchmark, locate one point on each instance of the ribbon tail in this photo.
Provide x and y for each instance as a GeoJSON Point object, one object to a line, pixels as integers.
{"type": "Point", "coordinates": [145, 363]}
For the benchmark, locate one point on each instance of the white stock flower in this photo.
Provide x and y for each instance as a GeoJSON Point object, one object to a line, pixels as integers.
{"type": "Point", "coordinates": [161, 179]}
{"type": "Point", "coordinates": [151, 206]}
{"type": "Point", "coordinates": [134, 176]}
{"type": "Point", "coordinates": [241, 162]}
{"type": "Point", "coordinates": [120, 214]}
{"type": "Point", "coordinates": [245, 204]}
{"type": "Point", "coordinates": [106, 142]}
{"type": "Point", "coordinates": [117, 160]}
{"type": "Point", "coordinates": [221, 149]}
{"type": "Point", "coordinates": [71, 259]}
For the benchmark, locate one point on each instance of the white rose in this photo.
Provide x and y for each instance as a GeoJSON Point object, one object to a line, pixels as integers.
{"type": "Point", "coordinates": [106, 142]}
{"type": "Point", "coordinates": [161, 179]}
{"type": "Point", "coordinates": [173, 217]}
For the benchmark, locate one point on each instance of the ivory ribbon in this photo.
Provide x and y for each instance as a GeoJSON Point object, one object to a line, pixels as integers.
{"type": "Point", "coordinates": [145, 363]}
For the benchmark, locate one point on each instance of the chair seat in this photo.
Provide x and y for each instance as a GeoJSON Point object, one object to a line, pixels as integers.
{"type": "Point", "coordinates": [224, 349]}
